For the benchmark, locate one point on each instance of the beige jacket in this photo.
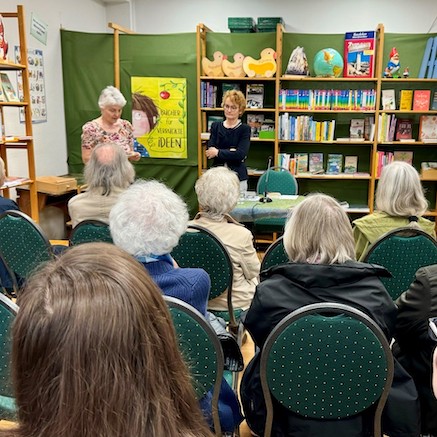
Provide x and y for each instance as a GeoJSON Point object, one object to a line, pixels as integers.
{"type": "Point", "coordinates": [92, 205]}
{"type": "Point", "coordinates": [239, 242]}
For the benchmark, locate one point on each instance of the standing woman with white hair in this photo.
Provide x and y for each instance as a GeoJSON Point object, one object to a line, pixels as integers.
{"type": "Point", "coordinates": [399, 201]}
{"type": "Point", "coordinates": [109, 127]}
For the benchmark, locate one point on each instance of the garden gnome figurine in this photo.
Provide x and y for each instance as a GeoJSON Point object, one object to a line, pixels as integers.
{"type": "Point", "coordinates": [393, 66]}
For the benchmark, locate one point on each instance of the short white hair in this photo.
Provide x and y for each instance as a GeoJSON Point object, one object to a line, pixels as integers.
{"type": "Point", "coordinates": [218, 191]}
{"type": "Point", "coordinates": [318, 231]}
{"type": "Point", "coordinates": [148, 219]}
{"type": "Point", "coordinates": [399, 192]}
{"type": "Point", "coordinates": [111, 96]}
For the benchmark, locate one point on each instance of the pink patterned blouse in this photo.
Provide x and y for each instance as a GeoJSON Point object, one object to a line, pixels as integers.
{"type": "Point", "coordinates": [93, 134]}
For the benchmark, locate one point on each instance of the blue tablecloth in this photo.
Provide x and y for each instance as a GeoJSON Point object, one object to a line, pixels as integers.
{"type": "Point", "coordinates": [249, 210]}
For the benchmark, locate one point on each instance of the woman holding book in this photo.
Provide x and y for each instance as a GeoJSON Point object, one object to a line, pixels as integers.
{"type": "Point", "coordinates": [109, 127]}
{"type": "Point", "coordinates": [230, 139]}
{"type": "Point", "coordinates": [399, 202]}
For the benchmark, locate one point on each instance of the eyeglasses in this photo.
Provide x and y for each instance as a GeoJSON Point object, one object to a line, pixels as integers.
{"type": "Point", "coordinates": [230, 107]}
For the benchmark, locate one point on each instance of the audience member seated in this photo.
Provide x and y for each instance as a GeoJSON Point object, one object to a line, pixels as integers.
{"type": "Point", "coordinates": [218, 191]}
{"type": "Point", "coordinates": [147, 222]}
{"type": "Point", "coordinates": [399, 202]}
{"type": "Point", "coordinates": [319, 242]}
{"type": "Point", "coordinates": [95, 353]}
{"type": "Point", "coordinates": [414, 346]}
{"type": "Point", "coordinates": [107, 174]}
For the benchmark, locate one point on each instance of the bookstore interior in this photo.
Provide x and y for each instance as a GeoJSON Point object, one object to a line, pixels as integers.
{"type": "Point", "coordinates": [333, 110]}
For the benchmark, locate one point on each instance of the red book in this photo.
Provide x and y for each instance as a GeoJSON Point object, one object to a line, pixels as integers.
{"type": "Point", "coordinates": [421, 100]}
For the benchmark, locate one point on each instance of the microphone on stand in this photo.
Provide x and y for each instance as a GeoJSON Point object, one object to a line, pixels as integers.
{"type": "Point", "coordinates": [266, 198]}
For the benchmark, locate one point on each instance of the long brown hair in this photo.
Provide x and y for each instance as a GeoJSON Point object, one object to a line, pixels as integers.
{"type": "Point", "coordinates": [95, 353]}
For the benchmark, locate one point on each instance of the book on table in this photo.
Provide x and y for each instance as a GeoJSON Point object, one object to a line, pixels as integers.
{"type": "Point", "coordinates": [421, 100]}
{"type": "Point", "coordinates": [255, 95]}
{"type": "Point", "coordinates": [428, 127]}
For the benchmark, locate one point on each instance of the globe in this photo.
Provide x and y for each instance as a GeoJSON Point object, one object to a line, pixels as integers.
{"type": "Point", "coordinates": [328, 63]}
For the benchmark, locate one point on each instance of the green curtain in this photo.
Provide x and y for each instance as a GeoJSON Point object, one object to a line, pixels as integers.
{"type": "Point", "coordinates": [87, 61]}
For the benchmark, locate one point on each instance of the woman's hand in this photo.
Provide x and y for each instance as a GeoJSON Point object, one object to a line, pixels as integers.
{"type": "Point", "coordinates": [134, 156]}
{"type": "Point", "coordinates": [211, 152]}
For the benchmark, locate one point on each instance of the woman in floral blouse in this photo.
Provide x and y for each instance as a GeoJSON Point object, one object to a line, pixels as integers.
{"type": "Point", "coordinates": [109, 127]}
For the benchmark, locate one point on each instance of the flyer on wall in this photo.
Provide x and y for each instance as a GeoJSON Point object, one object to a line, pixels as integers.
{"type": "Point", "coordinates": [36, 83]}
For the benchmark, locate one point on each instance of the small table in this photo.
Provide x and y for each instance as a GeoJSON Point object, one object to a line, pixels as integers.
{"type": "Point", "coordinates": [249, 210]}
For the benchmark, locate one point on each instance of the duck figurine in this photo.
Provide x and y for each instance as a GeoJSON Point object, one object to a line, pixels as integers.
{"type": "Point", "coordinates": [263, 67]}
{"type": "Point", "coordinates": [213, 68]}
{"type": "Point", "coordinates": [234, 69]}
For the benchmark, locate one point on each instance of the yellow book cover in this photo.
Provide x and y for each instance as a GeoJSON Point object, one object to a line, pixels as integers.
{"type": "Point", "coordinates": [406, 100]}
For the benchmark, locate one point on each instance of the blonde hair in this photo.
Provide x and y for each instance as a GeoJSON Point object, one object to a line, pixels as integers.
{"type": "Point", "coordinates": [218, 191]}
{"type": "Point", "coordinates": [318, 230]}
{"type": "Point", "coordinates": [237, 98]}
{"type": "Point", "coordinates": [399, 192]}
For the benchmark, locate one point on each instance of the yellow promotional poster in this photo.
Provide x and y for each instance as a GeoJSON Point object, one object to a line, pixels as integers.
{"type": "Point", "coordinates": [159, 116]}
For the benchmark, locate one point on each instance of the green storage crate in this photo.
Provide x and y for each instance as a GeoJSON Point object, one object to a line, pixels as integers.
{"type": "Point", "coordinates": [241, 24]}
{"type": "Point", "coordinates": [269, 21]}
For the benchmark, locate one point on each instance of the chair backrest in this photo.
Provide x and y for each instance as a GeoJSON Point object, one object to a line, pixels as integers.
{"type": "Point", "coordinates": [89, 231]}
{"type": "Point", "coordinates": [201, 349]}
{"type": "Point", "coordinates": [326, 361]}
{"type": "Point", "coordinates": [402, 252]}
{"type": "Point", "coordinates": [198, 247]}
{"type": "Point", "coordinates": [280, 180]}
{"type": "Point", "coordinates": [274, 255]}
{"type": "Point", "coordinates": [8, 311]}
{"type": "Point", "coordinates": [23, 245]}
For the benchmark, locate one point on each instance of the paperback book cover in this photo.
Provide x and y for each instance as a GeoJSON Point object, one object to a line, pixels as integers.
{"type": "Point", "coordinates": [301, 162]}
{"type": "Point", "coordinates": [406, 100]}
{"type": "Point", "coordinates": [388, 99]}
{"type": "Point", "coordinates": [359, 54]}
{"type": "Point", "coordinates": [229, 86]}
{"type": "Point", "coordinates": [356, 129]}
{"type": "Point", "coordinates": [428, 127]}
{"type": "Point", "coordinates": [404, 129]}
{"type": "Point", "coordinates": [255, 122]}
{"type": "Point", "coordinates": [350, 164]}
{"type": "Point", "coordinates": [434, 101]}
{"type": "Point", "coordinates": [335, 163]}
{"type": "Point", "coordinates": [212, 119]}
{"type": "Point", "coordinates": [255, 95]}
{"type": "Point", "coordinates": [402, 155]}
{"type": "Point", "coordinates": [421, 100]}
{"type": "Point", "coordinates": [8, 89]}
{"type": "Point", "coordinates": [315, 164]}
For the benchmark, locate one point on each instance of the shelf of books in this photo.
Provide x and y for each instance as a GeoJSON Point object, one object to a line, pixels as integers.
{"type": "Point", "coordinates": [15, 100]}
{"type": "Point", "coordinates": [327, 130]}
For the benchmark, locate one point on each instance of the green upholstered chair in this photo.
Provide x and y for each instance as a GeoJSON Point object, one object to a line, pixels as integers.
{"type": "Point", "coordinates": [274, 180]}
{"type": "Point", "coordinates": [326, 361]}
{"type": "Point", "coordinates": [402, 252]}
{"type": "Point", "coordinates": [89, 231]}
{"type": "Point", "coordinates": [23, 245]}
{"type": "Point", "coordinates": [202, 351]}
{"type": "Point", "coordinates": [199, 247]}
{"type": "Point", "coordinates": [8, 311]}
{"type": "Point", "coordinates": [274, 255]}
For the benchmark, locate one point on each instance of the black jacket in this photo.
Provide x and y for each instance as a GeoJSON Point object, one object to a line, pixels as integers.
{"type": "Point", "coordinates": [288, 287]}
{"type": "Point", "coordinates": [414, 347]}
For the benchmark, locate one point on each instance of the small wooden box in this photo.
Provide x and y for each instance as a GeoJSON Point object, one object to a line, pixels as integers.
{"type": "Point", "coordinates": [55, 184]}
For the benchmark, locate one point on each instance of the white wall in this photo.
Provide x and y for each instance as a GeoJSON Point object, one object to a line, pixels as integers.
{"type": "Point", "coordinates": [300, 16]}
{"type": "Point", "coordinates": [172, 16]}
{"type": "Point", "coordinates": [49, 137]}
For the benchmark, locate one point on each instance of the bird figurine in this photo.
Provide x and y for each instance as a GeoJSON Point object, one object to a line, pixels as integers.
{"type": "Point", "coordinates": [234, 69]}
{"type": "Point", "coordinates": [263, 67]}
{"type": "Point", "coordinates": [214, 68]}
